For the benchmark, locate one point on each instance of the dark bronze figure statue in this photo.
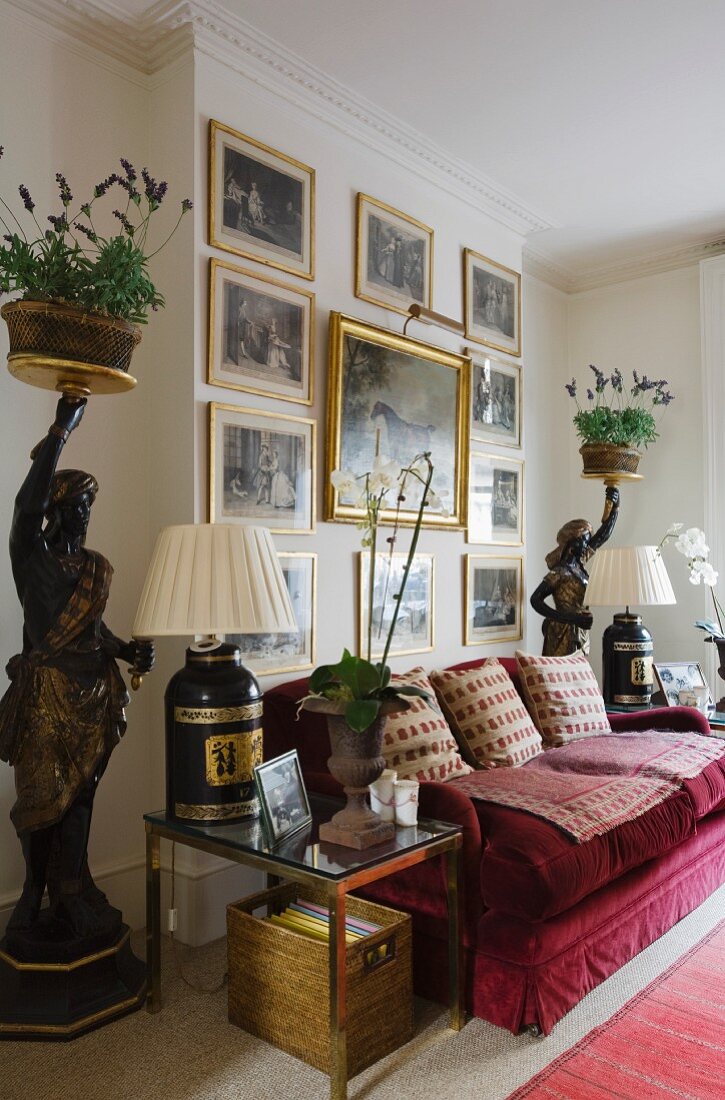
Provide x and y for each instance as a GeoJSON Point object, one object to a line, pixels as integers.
{"type": "Point", "coordinates": [566, 625]}
{"type": "Point", "coordinates": [64, 710]}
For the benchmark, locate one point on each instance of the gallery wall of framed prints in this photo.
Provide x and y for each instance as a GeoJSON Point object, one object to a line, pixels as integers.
{"type": "Point", "coordinates": [386, 393]}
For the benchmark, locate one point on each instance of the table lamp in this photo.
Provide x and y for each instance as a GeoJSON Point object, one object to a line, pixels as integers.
{"type": "Point", "coordinates": [205, 580]}
{"type": "Point", "coordinates": [629, 575]}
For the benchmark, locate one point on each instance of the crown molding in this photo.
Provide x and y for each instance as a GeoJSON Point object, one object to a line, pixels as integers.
{"type": "Point", "coordinates": [539, 265]}
{"type": "Point", "coordinates": [169, 28]}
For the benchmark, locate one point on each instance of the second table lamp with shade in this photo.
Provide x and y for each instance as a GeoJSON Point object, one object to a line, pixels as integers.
{"type": "Point", "coordinates": [209, 580]}
{"type": "Point", "coordinates": [628, 576]}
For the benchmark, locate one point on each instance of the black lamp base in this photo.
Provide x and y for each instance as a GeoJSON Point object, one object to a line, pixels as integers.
{"type": "Point", "coordinates": [213, 737]}
{"type": "Point", "coordinates": [627, 653]}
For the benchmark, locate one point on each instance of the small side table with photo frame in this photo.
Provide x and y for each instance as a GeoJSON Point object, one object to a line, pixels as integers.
{"type": "Point", "coordinates": [338, 871]}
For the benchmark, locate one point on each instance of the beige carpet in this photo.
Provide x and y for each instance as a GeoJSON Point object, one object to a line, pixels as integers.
{"type": "Point", "coordinates": [190, 1052]}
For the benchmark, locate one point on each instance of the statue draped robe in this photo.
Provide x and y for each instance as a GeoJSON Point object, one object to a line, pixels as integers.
{"type": "Point", "coordinates": [63, 713]}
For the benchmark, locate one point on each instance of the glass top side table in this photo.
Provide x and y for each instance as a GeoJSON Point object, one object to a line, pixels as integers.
{"type": "Point", "coordinates": [302, 858]}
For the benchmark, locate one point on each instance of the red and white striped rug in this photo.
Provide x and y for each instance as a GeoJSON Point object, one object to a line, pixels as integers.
{"type": "Point", "coordinates": [668, 1041]}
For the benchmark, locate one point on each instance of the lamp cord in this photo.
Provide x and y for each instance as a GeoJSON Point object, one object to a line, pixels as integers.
{"type": "Point", "coordinates": [177, 961]}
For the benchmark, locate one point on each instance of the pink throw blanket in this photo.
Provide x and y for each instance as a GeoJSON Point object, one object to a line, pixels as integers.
{"type": "Point", "coordinates": [592, 785]}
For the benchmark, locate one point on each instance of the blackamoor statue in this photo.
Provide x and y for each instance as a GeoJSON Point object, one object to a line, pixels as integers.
{"type": "Point", "coordinates": [63, 713]}
{"type": "Point", "coordinates": [566, 625]}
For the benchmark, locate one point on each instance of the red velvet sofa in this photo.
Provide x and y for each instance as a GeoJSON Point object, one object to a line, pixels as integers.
{"type": "Point", "coordinates": [546, 919]}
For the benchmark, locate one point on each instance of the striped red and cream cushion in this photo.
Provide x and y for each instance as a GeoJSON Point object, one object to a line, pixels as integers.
{"type": "Point", "coordinates": [486, 713]}
{"type": "Point", "coordinates": [563, 697]}
{"type": "Point", "coordinates": [417, 742]}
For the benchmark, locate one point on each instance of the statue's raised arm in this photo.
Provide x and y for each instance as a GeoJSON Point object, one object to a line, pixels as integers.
{"type": "Point", "coordinates": [567, 623]}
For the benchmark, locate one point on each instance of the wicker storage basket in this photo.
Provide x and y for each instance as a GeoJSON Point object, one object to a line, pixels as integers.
{"type": "Point", "coordinates": [62, 332]}
{"type": "Point", "coordinates": [279, 981]}
{"type": "Point", "coordinates": [609, 458]}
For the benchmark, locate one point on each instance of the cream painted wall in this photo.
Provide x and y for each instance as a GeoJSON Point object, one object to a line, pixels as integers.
{"type": "Point", "coordinates": [651, 325]}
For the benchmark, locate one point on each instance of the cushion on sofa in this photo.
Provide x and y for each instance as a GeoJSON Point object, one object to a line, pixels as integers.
{"type": "Point", "coordinates": [417, 743]}
{"type": "Point", "coordinates": [487, 716]}
{"type": "Point", "coordinates": [562, 696]}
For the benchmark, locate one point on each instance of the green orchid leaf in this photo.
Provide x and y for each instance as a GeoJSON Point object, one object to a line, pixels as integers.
{"type": "Point", "coordinates": [384, 673]}
{"type": "Point", "coordinates": [408, 689]}
{"type": "Point", "coordinates": [361, 713]}
{"type": "Point", "coordinates": [320, 678]}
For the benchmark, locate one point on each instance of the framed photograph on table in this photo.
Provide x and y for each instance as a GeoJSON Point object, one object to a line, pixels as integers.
{"type": "Point", "coordinates": [261, 334]}
{"type": "Point", "coordinates": [261, 202]}
{"type": "Point", "coordinates": [261, 469]}
{"type": "Point", "coordinates": [399, 397]}
{"type": "Point", "coordinates": [394, 257]}
{"type": "Point", "coordinates": [282, 796]}
{"type": "Point", "coordinates": [414, 630]}
{"type": "Point", "coordinates": [491, 303]}
{"type": "Point", "coordinates": [268, 654]}
{"type": "Point", "coordinates": [496, 400]}
{"type": "Point", "coordinates": [683, 683]}
{"type": "Point", "coordinates": [495, 500]}
{"type": "Point", "coordinates": [493, 599]}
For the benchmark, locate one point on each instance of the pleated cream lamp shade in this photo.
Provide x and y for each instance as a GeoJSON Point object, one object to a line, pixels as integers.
{"type": "Point", "coordinates": [210, 579]}
{"type": "Point", "coordinates": [628, 576]}
{"type": "Point", "coordinates": [214, 578]}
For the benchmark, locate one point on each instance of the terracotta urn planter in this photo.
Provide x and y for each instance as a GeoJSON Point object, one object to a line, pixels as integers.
{"type": "Point", "coordinates": [609, 459]}
{"type": "Point", "coordinates": [356, 761]}
{"type": "Point", "coordinates": [68, 349]}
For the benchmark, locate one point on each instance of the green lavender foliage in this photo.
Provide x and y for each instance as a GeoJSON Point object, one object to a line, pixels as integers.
{"type": "Point", "coordinates": [70, 263]}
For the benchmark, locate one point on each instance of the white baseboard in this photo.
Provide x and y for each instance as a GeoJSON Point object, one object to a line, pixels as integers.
{"type": "Point", "coordinates": [201, 895]}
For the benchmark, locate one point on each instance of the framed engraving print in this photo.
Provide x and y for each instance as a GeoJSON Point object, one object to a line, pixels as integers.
{"type": "Point", "coordinates": [496, 405]}
{"type": "Point", "coordinates": [491, 303]}
{"type": "Point", "coordinates": [261, 202]}
{"type": "Point", "coordinates": [394, 257]}
{"type": "Point", "coordinates": [493, 599]}
{"type": "Point", "coordinates": [414, 628]}
{"type": "Point", "coordinates": [265, 654]}
{"type": "Point", "coordinates": [496, 500]}
{"type": "Point", "coordinates": [261, 469]}
{"type": "Point", "coordinates": [260, 334]}
{"type": "Point", "coordinates": [399, 397]}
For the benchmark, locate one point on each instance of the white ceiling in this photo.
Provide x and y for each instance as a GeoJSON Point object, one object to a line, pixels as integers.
{"type": "Point", "coordinates": [603, 120]}
{"type": "Point", "coordinates": [604, 117]}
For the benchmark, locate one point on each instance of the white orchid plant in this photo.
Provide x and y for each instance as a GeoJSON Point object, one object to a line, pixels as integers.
{"type": "Point", "coordinates": [358, 683]}
{"type": "Point", "coordinates": [692, 544]}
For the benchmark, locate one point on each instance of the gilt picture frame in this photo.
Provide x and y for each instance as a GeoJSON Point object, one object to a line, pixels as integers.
{"type": "Point", "coordinates": [261, 334]}
{"type": "Point", "coordinates": [415, 626]}
{"type": "Point", "coordinates": [261, 469]}
{"type": "Point", "coordinates": [491, 303]}
{"type": "Point", "coordinates": [493, 599]}
{"type": "Point", "coordinates": [495, 500]}
{"type": "Point", "coordinates": [496, 400]}
{"type": "Point", "coordinates": [393, 257]}
{"type": "Point", "coordinates": [399, 397]}
{"type": "Point", "coordinates": [261, 202]}
{"type": "Point", "coordinates": [273, 654]}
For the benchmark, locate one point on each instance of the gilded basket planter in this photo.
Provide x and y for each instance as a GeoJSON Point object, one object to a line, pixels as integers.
{"type": "Point", "coordinates": [609, 459]}
{"type": "Point", "coordinates": [64, 348]}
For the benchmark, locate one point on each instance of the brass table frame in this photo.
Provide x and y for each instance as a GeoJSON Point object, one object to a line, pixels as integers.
{"type": "Point", "coordinates": [337, 891]}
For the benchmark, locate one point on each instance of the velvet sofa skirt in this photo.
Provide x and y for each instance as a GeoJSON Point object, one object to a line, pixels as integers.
{"type": "Point", "coordinates": [520, 973]}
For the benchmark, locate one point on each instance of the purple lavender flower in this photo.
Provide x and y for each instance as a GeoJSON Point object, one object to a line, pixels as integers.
{"type": "Point", "coordinates": [186, 204]}
{"type": "Point", "coordinates": [2, 150]}
{"type": "Point", "coordinates": [65, 193]}
{"type": "Point", "coordinates": [101, 188]}
{"type": "Point", "coordinates": [85, 231]}
{"type": "Point", "coordinates": [6, 236]}
{"type": "Point", "coordinates": [130, 229]}
{"type": "Point", "coordinates": [59, 222]}
{"type": "Point", "coordinates": [129, 170]}
{"type": "Point", "coordinates": [616, 380]}
{"type": "Point", "coordinates": [590, 395]}
{"type": "Point", "coordinates": [25, 196]}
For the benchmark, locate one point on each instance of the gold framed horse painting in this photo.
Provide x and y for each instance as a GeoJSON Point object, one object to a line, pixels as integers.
{"type": "Point", "coordinates": [393, 396]}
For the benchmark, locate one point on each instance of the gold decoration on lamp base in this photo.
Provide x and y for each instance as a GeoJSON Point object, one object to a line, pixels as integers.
{"type": "Point", "coordinates": [69, 376]}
